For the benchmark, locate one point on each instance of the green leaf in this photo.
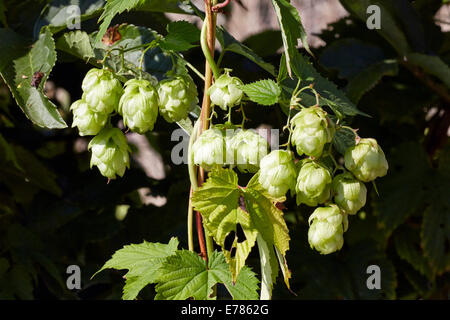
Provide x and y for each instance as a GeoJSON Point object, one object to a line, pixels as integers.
{"type": "Point", "coordinates": [291, 30]}
{"type": "Point", "coordinates": [269, 268]}
{"type": "Point", "coordinates": [229, 43]}
{"type": "Point", "coordinates": [330, 95]}
{"type": "Point", "coordinates": [390, 28]}
{"type": "Point", "coordinates": [76, 43]}
{"type": "Point", "coordinates": [269, 222]}
{"type": "Point", "coordinates": [18, 73]}
{"type": "Point", "coordinates": [185, 275]}
{"type": "Point", "coordinates": [343, 139]}
{"type": "Point", "coordinates": [265, 92]}
{"type": "Point", "coordinates": [181, 36]}
{"type": "Point", "coordinates": [143, 262]}
{"type": "Point", "coordinates": [114, 7]}
{"type": "Point", "coordinates": [218, 202]}
{"type": "Point", "coordinates": [367, 79]}
{"type": "Point", "coordinates": [60, 14]}
{"type": "Point", "coordinates": [8, 154]}
{"type": "Point", "coordinates": [432, 65]}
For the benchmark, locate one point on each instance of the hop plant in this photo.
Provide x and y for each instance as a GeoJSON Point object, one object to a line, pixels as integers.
{"type": "Point", "coordinates": [226, 92]}
{"type": "Point", "coordinates": [366, 160]}
{"type": "Point", "coordinates": [87, 121]}
{"type": "Point", "coordinates": [277, 174]}
{"type": "Point", "coordinates": [248, 150]}
{"type": "Point", "coordinates": [313, 184]}
{"type": "Point", "coordinates": [209, 149]}
{"type": "Point", "coordinates": [312, 129]}
{"type": "Point", "coordinates": [110, 152]}
{"type": "Point", "coordinates": [349, 193]}
{"type": "Point", "coordinates": [177, 97]}
{"type": "Point", "coordinates": [102, 90]}
{"type": "Point", "coordinates": [139, 105]}
{"type": "Point", "coordinates": [326, 229]}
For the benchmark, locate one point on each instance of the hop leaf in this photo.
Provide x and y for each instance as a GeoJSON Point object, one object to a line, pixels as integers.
{"type": "Point", "coordinates": [349, 193]}
{"type": "Point", "coordinates": [177, 97]}
{"type": "Point", "coordinates": [313, 184]}
{"type": "Point", "coordinates": [110, 152]}
{"type": "Point", "coordinates": [102, 90]}
{"type": "Point", "coordinates": [87, 121]}
{"type": "Point", "coordinates": [277, 173]}
{"type": "Point", "coordinates": [139, 105]}
{"type": "Point", "coordinates": [248, 150]}
{"type": "Point", "coordinates": [366, 160]}
{"type": "Point", "coordinates": [326, 229]}
{"type": "Point", "coordinates": [312, 130]}
{"type": "Point", "coordinates": [226, 91]}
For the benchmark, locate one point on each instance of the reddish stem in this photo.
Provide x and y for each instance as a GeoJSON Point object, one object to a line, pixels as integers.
{"type": "Point", "coordinates": [220, 6]}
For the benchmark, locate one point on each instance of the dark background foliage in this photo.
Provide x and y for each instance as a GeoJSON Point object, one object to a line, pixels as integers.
{"type": "Point", "coordinates": [56, 212]}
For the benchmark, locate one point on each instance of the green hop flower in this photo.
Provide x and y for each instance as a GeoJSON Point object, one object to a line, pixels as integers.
{"type": "Point", "coordinates": [313, 184]}
{"type": "Point", "coordinates": [349, 193]}
{"type": "Point", "coordinates": [177, 97]}
{"type": "Point", "coordinates": [277, 174]}
{"type": "Point", "coordinates": [312, 129]}
{"type": "Point", "coordinates": [87, 121]}
{"type": "Point", "coordinates": [248, 149]}
{"type": "Point", "coordinates": [209, 149]}
{"type": "Point", "coordinates": [226, 92]}
{"type": "Point", "coordinates": [110, 152]}
{"type": "Point", "coordinates": [326, 231]}
{"type": "Point", "coordinates": [139, 105]}
{"type": "Point", "coordinates": [102, 90]}
{"type": "Point", "coordinates": [366, 160]}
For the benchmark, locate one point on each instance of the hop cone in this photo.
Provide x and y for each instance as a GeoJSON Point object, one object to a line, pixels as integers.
{"type": "Point", "coordinates": [366, 160]}
{"type": "Point", "coordinates": [209, 149]}
{"type": "Point", "coordinates": [226, 92]}
{"type": "Point", "coordinates": [139, 105]}
{"type": "Point", "coordinates": [313, 184]}
{"type": "Point", "coordinates": [177, 97]}
{"type": "Point", "coordinates": [87, 121]}
{"type": "Point", "coordinates": [248, 148]}
{"type": "Point", "coordinates": [102, 90]}
{"type": "Point", "coordinates": [312, 130]}
{"type": "Point", "coordinates": [326, 229]}
{"type": "Point", "coordinates": [277, 174]}
{"type": "Point", "coordinates": [110, 152]}
{"type": "Point", "coordinates": [349, 193]}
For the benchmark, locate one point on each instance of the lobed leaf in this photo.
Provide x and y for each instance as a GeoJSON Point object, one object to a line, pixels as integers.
{"type": "Point", "coordinates": [264, 92]}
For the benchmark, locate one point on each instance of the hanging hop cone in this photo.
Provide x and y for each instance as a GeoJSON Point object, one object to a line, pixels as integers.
{"type": "Point", "coordinates": [326, 229]}
{"type": "Point", "coordinates": [248, 150]}
{"type": "Point", "coordinates": [139, 105]}
{"type": "Point", "coordinates": [312, 129]}
{"type": "Point", "coordinates": [110, 152]}
{"type": "Point", "coordinates": [349, 193]}
{"type": "Point", "coordinates": [87, 121]}
{"type": "Point", "coordinates": [102, 90]}
{"type": "Point", "coordinates": [177, 97]}
{"type": "Point", "coordinates": [366, 160]}
{"type": "Point", "coordinates": [277, 173]}
{"type": "Point", "coordinates": [313, 184]}
{"type": "Point", "coordinates": [209, 150]}
{"type": "Point", "coordinates": [226, 92]}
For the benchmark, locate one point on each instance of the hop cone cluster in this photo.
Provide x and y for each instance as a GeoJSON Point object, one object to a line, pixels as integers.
{"type": "Point", "coordinates": [110, 152]}
{"type": "Point", "coordinates": [277, 173]}
{"type": "Point", "coordinates": [226, 92]}
{"type": "Point", "coordinates": [177, 97]}
{"type": "Point", "coordinates": [139, 105]}
{"type": "Point", "coordinates": [312, 129]}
